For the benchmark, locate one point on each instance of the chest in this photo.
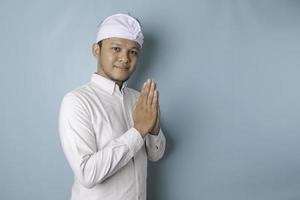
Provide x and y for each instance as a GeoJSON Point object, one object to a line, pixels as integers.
{"type": "Point", "coordinates": [111, 117]}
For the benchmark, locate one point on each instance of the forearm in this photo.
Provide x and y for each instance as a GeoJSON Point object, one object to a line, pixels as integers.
{"type": "Point", "coordinates": [93, 167]}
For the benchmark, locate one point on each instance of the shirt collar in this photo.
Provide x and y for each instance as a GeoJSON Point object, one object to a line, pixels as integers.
{"type": "Point", "coordinates": [106, 84]}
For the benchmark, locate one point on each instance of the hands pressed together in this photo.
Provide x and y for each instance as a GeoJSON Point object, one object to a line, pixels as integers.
{"type": "Point", "coordinates": [146, 114]}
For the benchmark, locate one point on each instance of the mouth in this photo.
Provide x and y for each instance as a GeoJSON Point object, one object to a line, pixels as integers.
{"type": "Point", "coordinates": [122, 68]}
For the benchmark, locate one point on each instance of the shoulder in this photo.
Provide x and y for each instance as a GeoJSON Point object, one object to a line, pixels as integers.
{"type": "Point", "coordinates": [79, 95]}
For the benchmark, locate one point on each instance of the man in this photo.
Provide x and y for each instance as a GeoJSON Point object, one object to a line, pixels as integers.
{"type": "Point", "coordinates": [107, 130]}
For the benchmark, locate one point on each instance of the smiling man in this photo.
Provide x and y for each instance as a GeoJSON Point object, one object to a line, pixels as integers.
{"type": "Point", "coordinates": [108, 130]}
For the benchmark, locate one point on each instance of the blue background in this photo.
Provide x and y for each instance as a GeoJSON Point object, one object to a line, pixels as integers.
{"type": "Point", "coordinates": [228, 76]}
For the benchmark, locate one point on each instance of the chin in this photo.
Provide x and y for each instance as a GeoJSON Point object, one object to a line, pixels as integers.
{"type": "Point", "coordinates": [120, 79]}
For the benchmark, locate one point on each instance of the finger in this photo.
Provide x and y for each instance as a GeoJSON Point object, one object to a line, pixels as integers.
{"type": "Point", "coordinates": [158, 115]}
{"type": "Point", "coordinates": [156, 124]}
{"type": "Point", "coordinates": [151, 93]}
{"type": "Point", "coordinates": [143, 95]}
{"type": "Point", "coordinates": [157, 118]}
{"type": "Point", "coordinates": [146, 91]}
{"type": "Point", "coordinates": [155, 100]}
{"type": "Point", "coordinates": [158, 110]}
{"type": "Point", "coordinates": [142, 91]}
{"type": "Point", "coordinates": [143, 86]}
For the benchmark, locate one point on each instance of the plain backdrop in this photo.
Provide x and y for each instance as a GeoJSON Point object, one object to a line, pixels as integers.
{"type": "Point", "coordinates": [228, 75]}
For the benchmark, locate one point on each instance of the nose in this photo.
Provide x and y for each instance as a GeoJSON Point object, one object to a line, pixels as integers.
{"type": "Point", "coordinates": [124, 57]}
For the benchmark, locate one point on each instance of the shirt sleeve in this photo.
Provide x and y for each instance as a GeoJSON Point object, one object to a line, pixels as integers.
{"type": "Point", "coordinates": [155, 146]}
{"type": "Point", "coordinates": [90, 165]}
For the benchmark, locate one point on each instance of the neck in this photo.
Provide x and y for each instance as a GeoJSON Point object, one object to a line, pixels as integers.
{"type": "Point", "coordinates": [120, 84]}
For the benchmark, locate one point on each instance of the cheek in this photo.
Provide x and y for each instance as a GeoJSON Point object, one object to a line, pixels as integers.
{"type": "Point", "coordinates": [134, 60]}
{"type": "Point", "coordinates": [107, 58]}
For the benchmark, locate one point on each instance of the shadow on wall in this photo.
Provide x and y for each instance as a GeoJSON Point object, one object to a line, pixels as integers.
{"type": "Point", "coordinates": [145, 66]}
{"type": "Point", "coordinates": [155, 185]}
{"type": "Point", "coordinates": [175, 130]}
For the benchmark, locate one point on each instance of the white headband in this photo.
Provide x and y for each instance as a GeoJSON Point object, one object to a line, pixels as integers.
{"type": "Point", "coordinates": [122, 26]}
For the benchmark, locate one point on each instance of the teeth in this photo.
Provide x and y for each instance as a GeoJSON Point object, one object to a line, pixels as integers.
{"type": "Point", "coordinates": [122, 68]}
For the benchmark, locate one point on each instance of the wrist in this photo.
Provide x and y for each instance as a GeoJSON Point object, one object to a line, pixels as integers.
{"type": "Point", "coordinates": [143, 134]}
{"type": "Point", "coordinates": [155, 132]}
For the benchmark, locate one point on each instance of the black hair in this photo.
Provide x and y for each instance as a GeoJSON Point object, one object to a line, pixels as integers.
{"type": "Point", "coordinates": [100, 43]}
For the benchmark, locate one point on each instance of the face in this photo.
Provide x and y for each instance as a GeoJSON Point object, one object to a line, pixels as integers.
{"type": "Point", "coordinates": [116, 58]}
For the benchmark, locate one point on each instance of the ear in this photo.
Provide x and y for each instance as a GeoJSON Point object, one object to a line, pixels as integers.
{"type": "Point", "coordinates": [96, 50]}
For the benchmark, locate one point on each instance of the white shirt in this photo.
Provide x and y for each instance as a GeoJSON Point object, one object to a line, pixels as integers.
{"type": "Point", "coordinates": [107, 155]}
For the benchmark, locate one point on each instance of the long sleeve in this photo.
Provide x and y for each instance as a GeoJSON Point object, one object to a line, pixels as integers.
{"type": "Point", "coordinates": [155, 146]}
{"type": "Point", "coordinates": [90, 165]}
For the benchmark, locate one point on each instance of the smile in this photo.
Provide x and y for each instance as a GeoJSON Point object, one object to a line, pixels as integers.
{"type": "Point", "coordinates": [122, 68]}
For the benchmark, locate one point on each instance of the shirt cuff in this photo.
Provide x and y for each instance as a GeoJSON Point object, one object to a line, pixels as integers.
{"type": "Point", "coordinates": [155, 138]}
{"type": "Point", "coordinates": [133, 139]}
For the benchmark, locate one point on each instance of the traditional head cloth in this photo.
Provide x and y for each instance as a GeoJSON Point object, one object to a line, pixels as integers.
{"type": "Point", "coordinates": [122, 26]}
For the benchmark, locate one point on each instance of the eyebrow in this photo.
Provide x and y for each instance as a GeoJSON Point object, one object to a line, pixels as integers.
{"type": "Point", "coordinates": [134, 47]}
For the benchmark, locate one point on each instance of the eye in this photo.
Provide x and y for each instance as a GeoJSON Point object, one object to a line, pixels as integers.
{"type": "Point", "coordinates": [134, 52]}
{"type": "Point", "coordinates": [116, 49]}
